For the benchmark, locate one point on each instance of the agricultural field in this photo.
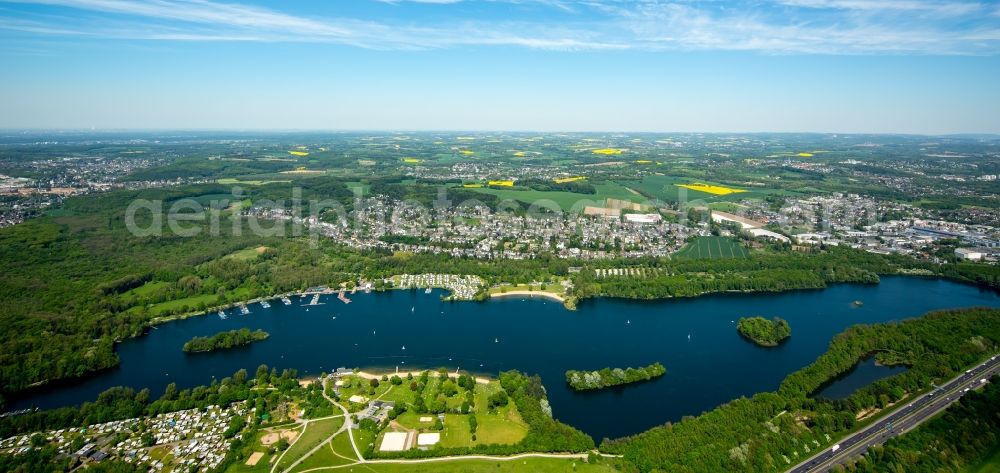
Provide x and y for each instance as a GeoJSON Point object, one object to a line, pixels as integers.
{"type": "Point", "coordinates": [712, 247]}
{"type": "Point", "coordinates": [567, 201]}
{"type": "Point", "coordinates": [710, 189]}
{"type": "Point", "coordinates": [250, 182]}
{"type": "Point", "coordinates": [671, 188]}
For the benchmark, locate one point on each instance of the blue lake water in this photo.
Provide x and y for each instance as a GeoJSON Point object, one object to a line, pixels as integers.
{"type": "Point", "coordinates": [863, 374]}
{"type": "Point", "coordinates": [536, 336]}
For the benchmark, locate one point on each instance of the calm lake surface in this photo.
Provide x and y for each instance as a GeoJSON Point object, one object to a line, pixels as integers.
{"type": "Point", "coordinates": [862, 375]}
{"type": "Point", "coordinates": [711, 367]}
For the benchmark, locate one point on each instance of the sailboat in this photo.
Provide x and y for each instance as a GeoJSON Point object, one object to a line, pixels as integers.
{"type": "Point", "coordinates": [628, 321]}
{"type": "Point", "coordinates": [404, 347]}
{"type": "Point", "coordinates": [689, 336]}
{"type": "Point", "coordinates": [496, 340]}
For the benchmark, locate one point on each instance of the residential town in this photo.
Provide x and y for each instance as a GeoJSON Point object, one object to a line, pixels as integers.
{"type": "Point", "coordinates": [645, 231]}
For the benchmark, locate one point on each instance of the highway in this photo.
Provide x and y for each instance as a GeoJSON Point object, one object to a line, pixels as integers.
{"type": "Point", "coordinates": [900, 421]}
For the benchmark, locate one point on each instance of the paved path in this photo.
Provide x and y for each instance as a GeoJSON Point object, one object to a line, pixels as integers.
{"type": "Point", "coordinates": [900, 421]}
{"type": "Point", "coordinates": [345, 426]}
{"type": "Point", "coordinates": [567, 456]}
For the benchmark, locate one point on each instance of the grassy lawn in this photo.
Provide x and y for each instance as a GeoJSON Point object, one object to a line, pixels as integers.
{"type": "Point", "coordinates": [712, 247]}
{"type": "Point", "coordinates": [323, 457]}
{"type": "Point", "coordinates": [363, 438]}
{"type": "Point", "coordinates": [481, 466]}
{"type": "Point", "coordinates": [341, 444]}
{"type": "Point", "coordinates": [146, 289]}
{"type": "Point", "coordinates": [502, 427]}
{"type": "Point", "coordinates": [356, 385]}
{"type": "Point", "coordinates": [401, 393]}
{"type": "Point", "coordinates": [263, 465]}
{"type": "Point", "coordinates": [505, 427]}
{"type": "Point", "coordinates": [247, 254]}
{"type": "Point", "coordinates": [314, 434]}
{"type": "Point", "coordinates": [192, 303]}
{"type": "Point", "coordinates": [724, 206]}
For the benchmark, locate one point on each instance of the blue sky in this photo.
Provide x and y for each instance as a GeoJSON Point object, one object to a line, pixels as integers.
{"type": "Point", "coordinates": [907, 66]}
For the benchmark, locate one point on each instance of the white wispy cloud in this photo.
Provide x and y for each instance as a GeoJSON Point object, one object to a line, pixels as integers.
{"type": "Point", "coordinates": [947, 8]}
{"type": "Point", "coordinates": [781, 26]}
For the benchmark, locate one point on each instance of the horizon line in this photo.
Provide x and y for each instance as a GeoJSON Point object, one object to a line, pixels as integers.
{"type": "Point", "coordinates": [475, 130]}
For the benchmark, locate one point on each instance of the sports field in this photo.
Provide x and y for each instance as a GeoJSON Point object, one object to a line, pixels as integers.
{"type": "Point", "coordinates": [712, 247]}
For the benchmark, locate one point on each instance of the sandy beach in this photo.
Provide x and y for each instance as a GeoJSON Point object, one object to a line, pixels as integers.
{"type": "Point", "coordinates": [548, 295]}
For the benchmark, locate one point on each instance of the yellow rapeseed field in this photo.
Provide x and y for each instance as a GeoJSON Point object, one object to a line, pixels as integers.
{"type": "Point", "coordinates": [643, 161]}
{"type": "Point", "coordinates": [467, 152]}
{"type": "Point", "coordinates": [608, 151]}
{"type": "Point", "coordinates": [502, 183]}
{"type": "Point", "coordinates": [411, 160]}
{"type": "Point", "coordinates": [519, 154]}
{"type": "Point", "coordinates": [563, 180]}
{"type": "Point", "coordinates": [298, 153]}
{"type": "Point", "coordinates": [472, 186]}
{"type": "Point", "coordinates": [805, 155]}
{"type": "Point", "coordinates": [708, 188]}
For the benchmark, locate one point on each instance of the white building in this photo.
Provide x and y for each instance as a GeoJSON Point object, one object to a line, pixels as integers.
{"type": "Point", "coordinates": [968, 254]}
{"type": "Point", "coordinates": [643, 218]}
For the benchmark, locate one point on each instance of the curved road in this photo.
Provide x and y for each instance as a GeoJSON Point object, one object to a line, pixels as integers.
{"type": "Point", "coordinates": [901, 420]}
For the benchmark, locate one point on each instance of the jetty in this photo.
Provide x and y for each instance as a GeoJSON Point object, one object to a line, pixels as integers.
{"type": "Point", "coordinates": [342, 297]}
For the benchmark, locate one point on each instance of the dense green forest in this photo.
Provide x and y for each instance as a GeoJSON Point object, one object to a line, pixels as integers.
{"type": "Point", "coordinates": [962, 437]}
{"type": "Point", "coordinates": [223, 340]}
{"type": "Point", "coordinates": [772, 431]}
{"type": "Point", "coordinates": [607, 377]}
{"type": "Point", "coordinates": [768, 272]}
{"type": "Point", "coordinates": [764, 332]}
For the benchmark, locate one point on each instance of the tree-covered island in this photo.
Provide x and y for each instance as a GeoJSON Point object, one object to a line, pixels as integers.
{"type": "Point", "coordinates": [764, 332]}
{"type": "Point", "coordinates": [608, 377]}
{"type": "Point", "coordinates": [223, 340]}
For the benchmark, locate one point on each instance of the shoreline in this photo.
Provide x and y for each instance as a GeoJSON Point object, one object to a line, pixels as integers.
{"type": "Point", "coordinates": [402, 374]}
{"type": "Point", "coordinates": [545, 294]}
